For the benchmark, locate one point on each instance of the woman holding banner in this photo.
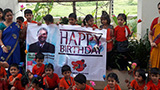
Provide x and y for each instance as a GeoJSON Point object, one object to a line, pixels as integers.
{"type": "Point", "coordinates": [9, 34]}
{"type": "Point", "coordinates": [154, 38]}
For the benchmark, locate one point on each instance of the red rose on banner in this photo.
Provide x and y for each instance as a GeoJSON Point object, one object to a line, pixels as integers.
{"type": "Point", "coordinates": [79, 65]}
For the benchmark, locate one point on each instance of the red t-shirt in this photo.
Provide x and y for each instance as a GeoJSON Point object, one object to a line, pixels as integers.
{"type": "Point", "coordinates": [2, 72]}
{"type": "Point", "coordinates": [135, 85]}
{"type": "Point", "coordinates": [64, 84]}
{"type": "Point", "coordinates": [117, 87]}
{"type": "Point", "coordinates": [52, 82]}
{"type": "Point", "coordinates": [154, 22]}
{"type": "Point", "coordinates": [94, 25]}
{"type": "Point", "coordinates": [120, 33]}
{"type": "Point", "coordinates": [39, 71]}
{"type": "Point", "coordinates": [17, 83]}
{"type": "Point", "coordinates": [86, 88]}
{"type": "Point", "coordinates": [152, 86]}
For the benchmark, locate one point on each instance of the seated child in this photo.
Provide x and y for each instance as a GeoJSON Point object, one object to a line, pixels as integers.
{"type": "Point", "coordinates": [39, 67]}
{"type": "Point", "coordinates": [26, 80]}
{"type": "Point", "coordinates": [48, 19]}
{"type": "Point", "coordinates": [15, 79]}
{"type": "Point", "coordinates": [67, 82]}
{"type": "Point", "coordinates": [37, 83]}
{"type": "Point", "coordinates": [154, 83]}
{"type": "Point", "coordinates": [112, 80]}
{"type": "Point", "coordinates": [139, 82]}
{"type": "Point", "coordinates": [72, 19]}
{"type": "Point", "coordinates": [80, 81]}
{"type": "Point", "coordinates": [3, 78]}
{"type": "Point", "coordinates": [51, 80]}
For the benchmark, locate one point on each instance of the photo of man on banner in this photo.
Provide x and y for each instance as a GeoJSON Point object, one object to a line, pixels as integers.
{"type": "Point", "coordinates": [41, 45]}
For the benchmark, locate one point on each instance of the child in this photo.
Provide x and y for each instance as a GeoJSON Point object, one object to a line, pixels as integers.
{"type": "Point", "coordinates": [121, 33]}
{"type": "Point", "coordinates": [48, 19]}
{"type": "Point", "coordinates": [139, 82]}
{"type": "Point", "coordinates": [89, 21]}
{"type": "Point", "coordinates": [112, 80]}
{"type": "Point", "coordinates": [51, 80]}
{"type": "Point", "coordinates": [67, 82]}
{"type": "Point", "coordinates": [20, 20]}
{"type": "Point", "coordinates": [37, 83]}
{"type": "Point", "coordinates": [105, 20]}
{"type": "Point", "coordinates": [28, 15]}
{"type": "Point", "coordinates": [3, 78]}
{"type": "Point", "coordinates": [80, 83]}
{"type": "Point", "coordinates": [15, 79]}
{"type": "Point", "coordinates": [154, 83]}
{"type": "Point", "coordinates": [1, 15]}
{"type": "Point", "coordinates": [72, 19]}
{"type": "Point", "coordinates": [27, 79]}
{"type": "Point", "coordinates": [39, 67]}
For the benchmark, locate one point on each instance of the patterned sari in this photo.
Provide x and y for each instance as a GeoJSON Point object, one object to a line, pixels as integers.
{"type": "Point", "coordinates": [155, 51]}
{"type": "Point", "coordinates": [10, 37]}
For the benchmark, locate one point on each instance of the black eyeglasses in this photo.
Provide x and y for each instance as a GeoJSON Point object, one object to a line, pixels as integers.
{"type": "Point", "coordinates": [158, 8]}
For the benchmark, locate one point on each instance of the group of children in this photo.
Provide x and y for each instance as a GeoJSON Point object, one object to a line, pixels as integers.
{"type": "Point", "coordinates": [43, 77]}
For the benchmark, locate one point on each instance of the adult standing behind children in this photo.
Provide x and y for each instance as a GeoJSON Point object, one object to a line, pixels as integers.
{"type": "Point", "coordinates": [9, 42]}
{"type": "Point", "coordinates": [154, 38]}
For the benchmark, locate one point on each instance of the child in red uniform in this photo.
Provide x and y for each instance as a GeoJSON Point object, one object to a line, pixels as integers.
{"type": "Point", "coordinates": [51, 80]}
{"type": "Point", "coordinates": [37, 83]}
{"type": "Point", "coordinates": [121, 33]}
{"type": "Point", "coordinates": [27, 79]}
{"type": "Point", "coordinates": [67, 82]}
{"type": "Point", "coordinates": [80, 81]}
{"type": "Point", "coordinates": [139, 82]}
{"type": "Point", "coordinates": [154, 83]}
{"type": "Point", "coordinates": [72, 19]}
{"type": "Point", "coordinates": [105, 20]}
{"type": "Point", "coordinates": [88, 21]}
{"type": "Point", "coordinates": [15, 79]}
{"type": "Point", "coordinates": [3, 78]}
{"type": "Point", "coordinates": [112, 80]}
{"type": "Point", "coordinates": [39, 67]}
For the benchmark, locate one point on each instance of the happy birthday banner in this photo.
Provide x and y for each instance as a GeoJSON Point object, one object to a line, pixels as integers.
{"type": "Point", "coordinates": [83, 49]}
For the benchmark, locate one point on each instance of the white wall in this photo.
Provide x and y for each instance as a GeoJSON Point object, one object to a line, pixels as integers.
{"type": "Point", "coordinates": [147, 11]}
{"type": "Point", "coordinates": [13, 5]}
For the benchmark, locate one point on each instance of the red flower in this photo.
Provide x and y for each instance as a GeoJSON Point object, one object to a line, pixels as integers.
{"type": "Point", "coordinates": [139, 20]}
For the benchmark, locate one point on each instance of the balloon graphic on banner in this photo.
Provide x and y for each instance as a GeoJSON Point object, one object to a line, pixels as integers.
{"type": "Point", "coordinates": [79, 65]}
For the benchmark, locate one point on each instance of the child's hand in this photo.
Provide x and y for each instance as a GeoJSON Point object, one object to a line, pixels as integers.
{"type": "Point", "coordinates": [39, 23]}
{"type": "Point", "coordinates": [82, 25]}
{"type": "Point", "coordinates": [145, 87]}
{"type": "Point", "coordinates": [46, 84]}
{"type": "Point", "coordinates": [73, 88]}
{"type": "Point", "coordinates": [153, 44]}
{"type": "Point", "coordinates": [3, 79]}
{"type": "Point", "coordinates": [70, 88]}
{"type": "Point", "coordinates": [11, 83]}
{"type": "Point", "coordinates": [43, 75]}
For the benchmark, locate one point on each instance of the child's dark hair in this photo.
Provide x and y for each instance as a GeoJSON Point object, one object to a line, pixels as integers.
{"type": "Point", "coordinates": [113, 75]}
{"type": "Point", "coordinates": [142, 73]}
{"type": "Point", "coordinates": [37, 80]}
{"type": "Point", "coordinates": [158, 4]}
{"type": "Point", "coordinates": [25, 78]}
{"type": "Point", "coordinates": [27, 11]}
{"type": "Point", "coordinates": [49, 66]}
{"type": "Point", "coordinates": [80, 78]}
{"type": "Point", "coordinates": [105, 16]}
{"type": "Point", "coordinates": [123, 16]}
{"type": "Point", "coordinates": [48, 18]}
{"type": "Point", "coordinates": [1, 10]}
{"type": "Point", "coordinates": [6, 11]}
{"type": "Point", "coordinates": [39, 55]}
{"type": "Point", "coordinates": [65, 68]}
{"type": "Point", "coordinates": [87, 18]}
{"type": "Point", "coordinates": [154, 71]}
{"type": "Point", "coordinates": [14, 65]}
{"type": "Point", "coordinates": [20, 18]}
{"type": "Point", "coordinates": [73, 15]}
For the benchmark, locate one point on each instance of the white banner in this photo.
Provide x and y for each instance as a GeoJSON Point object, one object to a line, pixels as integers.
{"type": "Point", "coordinates": [83, 49]}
